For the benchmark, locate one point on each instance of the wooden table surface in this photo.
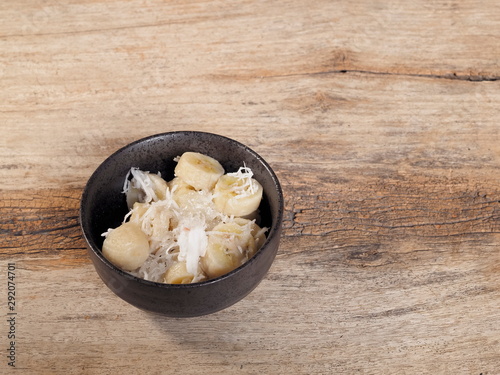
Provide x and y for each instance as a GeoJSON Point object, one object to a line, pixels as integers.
{"type": "Point", "coordinates": [381, 119]}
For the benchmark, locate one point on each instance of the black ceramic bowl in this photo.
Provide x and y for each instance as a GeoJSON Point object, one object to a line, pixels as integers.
{"type": "Point", "coordinates": [103, 206]}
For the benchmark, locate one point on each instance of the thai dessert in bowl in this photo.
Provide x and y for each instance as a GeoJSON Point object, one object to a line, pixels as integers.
{"type": "Point", "coordinates": [182, 223]}
{"type": "Point", "coordinates": [200, 225]}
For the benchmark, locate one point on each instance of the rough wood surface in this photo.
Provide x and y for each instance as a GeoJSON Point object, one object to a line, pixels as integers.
{"type": "Point", "coordinates": [381, 121]}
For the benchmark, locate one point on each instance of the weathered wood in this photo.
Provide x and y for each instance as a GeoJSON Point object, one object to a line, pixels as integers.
{"type": "Point", "coordinates": [381, 121]}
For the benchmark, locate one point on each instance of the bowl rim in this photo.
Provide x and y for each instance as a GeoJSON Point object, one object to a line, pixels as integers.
{"type": "Point", "coordinates": [274, 230]}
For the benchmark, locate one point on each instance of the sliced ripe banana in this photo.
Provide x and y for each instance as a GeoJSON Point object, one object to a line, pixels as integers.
{"type": "Point", "coordinates": [258, 235]}
{"type": "Point", "coordinates": [244, 230]}
{"type": "Point", "coordinates": [138, 211]}
{"type": "Point", "coordinates": [198, 170]}
{"type": "Point", "coordinates": [229, 246]}
{"type": "Point", "coordinates": [219, 260]}
{"type": "Point", "coordinates": [182, 192]}
{"type": "Point", "coordinates": [178, 274]}
{"type": "Point", "coordinates": [237, 196]}
{"type": "Point", "coordinates": [155, 221]}
{"type": "Point", "coordinates": [145, 187]}
{"type": "Point", "coordinates": [159, 185]}
{"type": "Point", "coordinates": [126, 246]}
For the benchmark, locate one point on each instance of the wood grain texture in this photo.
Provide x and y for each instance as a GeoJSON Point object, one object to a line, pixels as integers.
{"type": "Point", "coordinates": [381, 121]}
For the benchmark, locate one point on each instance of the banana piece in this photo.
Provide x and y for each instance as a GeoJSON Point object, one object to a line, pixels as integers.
{"type": "Point", "coordinates": [198, 170]}
{"type": "Point", "coordinates": [178, 274]}
{"type": "Point", "coordinates": [154, 221]}
{"type": "Point", "coordinates": [138, 211]}
{"type": "Point", "coordinates": [219, 260]}
{"type": "Point", "coordinates": [159, 185]}
{"type": "Point", "coordinates": [145, 187]}
{"type": "Point", "coordinates": [255, 240]}
{"type": "Point", "coordinates": [182, 193]}
{"type": "Point", "coordinates": [229, 246]}
{"type": "Point", "coordinates": [237, 196]}
{"type": "Point", "coordinates": [259, 235]}
{"type": "Point", "coordinates": [126, 247]}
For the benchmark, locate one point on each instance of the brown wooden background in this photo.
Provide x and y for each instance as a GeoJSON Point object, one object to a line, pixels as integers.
{"type": "Point", "coordinates": [381, 119]}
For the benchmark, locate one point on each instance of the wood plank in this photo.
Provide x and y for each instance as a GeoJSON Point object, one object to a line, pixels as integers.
{"type": "Point", "coordinates": [396, 272]}
{"type": "Point", "coordinates": [348, 122]}
{"type": "Point", "coordinates": [381, 121]}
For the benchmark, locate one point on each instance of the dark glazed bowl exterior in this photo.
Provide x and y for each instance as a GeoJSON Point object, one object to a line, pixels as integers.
{"type": "Point", "coordinates": [103, 206]}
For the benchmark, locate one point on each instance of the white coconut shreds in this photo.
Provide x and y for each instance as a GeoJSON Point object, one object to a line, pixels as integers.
{"type": "Point", "coordinates": [192, 240]}
{"type": "Point", "coordinates": [140, 182]}
{"type": "Point", "coordinates": [248, 185]}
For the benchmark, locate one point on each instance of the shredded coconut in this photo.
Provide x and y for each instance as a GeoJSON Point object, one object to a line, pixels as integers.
{"type": "Point", "coordinates": [247, 185]}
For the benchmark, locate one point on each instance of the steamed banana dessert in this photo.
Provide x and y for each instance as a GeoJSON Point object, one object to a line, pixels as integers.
{"type": "Point", "coordinates": [238, 193]}
{"type": "Point", "coordinates": [231, 244]}
{"type": "Point", "coordinates": [198, 170]}
{"type": "Point", "coordinates": [200, 225]}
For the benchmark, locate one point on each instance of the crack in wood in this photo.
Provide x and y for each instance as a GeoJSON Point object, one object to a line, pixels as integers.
{"type": "Point", "coordinates": [449, 76]}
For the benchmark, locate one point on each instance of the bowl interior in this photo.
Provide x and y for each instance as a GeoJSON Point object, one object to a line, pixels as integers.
{"type": "Point", "coordinates": [104, 205]}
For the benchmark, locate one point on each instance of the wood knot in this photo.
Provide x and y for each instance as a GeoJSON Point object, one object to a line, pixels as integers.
{"type": "Point", "coordinates": [366, 257]}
